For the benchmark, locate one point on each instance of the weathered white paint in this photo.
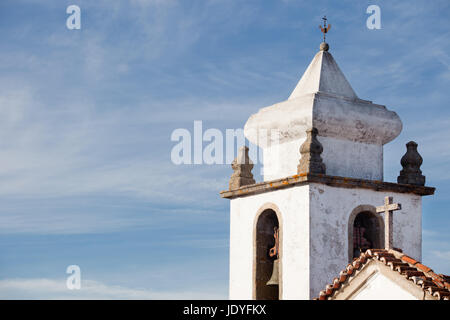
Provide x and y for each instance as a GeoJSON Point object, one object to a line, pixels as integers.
{"type": "Point", "coordinates": [352, 130]}
{"type": "Point", "coordinates": [314, 217]}
{"type": "Point", "coordinates": [281, 160]}
{"type": "Point", "coordinates": [346, 158]}
{"type": "Point", "coordinates": [330, 208]}
{"type": "Point", "coordinates": [323, 74]}
{"type": "Point", "coordinates": [314, 229]}
{"type": "Point", "coordinates": [342, 158]}
{"type": "Point", "coordinates": [293, 204]}
{"type": "Point", "coordinates": [379, 287]}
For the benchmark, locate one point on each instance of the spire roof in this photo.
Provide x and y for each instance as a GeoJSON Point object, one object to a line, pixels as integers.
{"type": "Point", "coordinates": [323, 75]}
{"type": "Point", "coordinates": [351, 130]}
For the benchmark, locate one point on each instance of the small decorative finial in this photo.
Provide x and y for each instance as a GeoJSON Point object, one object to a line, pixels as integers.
{"type": "Point", "coordinates": [311, 149]}
{"type": "Point", "coordinates": [324, 46]}
{"type": "Point", "coordinates": [242, 167]}
{"type": "Point", "coordinates": [326, 27]}
{"type": "Point", "coordinates": [411, 162]}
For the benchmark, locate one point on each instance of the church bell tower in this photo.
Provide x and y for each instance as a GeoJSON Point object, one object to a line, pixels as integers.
{"type": "Point", "coordinates": [315, 211]}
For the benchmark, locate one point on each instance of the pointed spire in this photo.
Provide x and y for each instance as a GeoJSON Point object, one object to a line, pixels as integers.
{"type": "Point", "coordinates": [311, 149]}
{"type": "Point", "coordinates": [242, 167]}
{"type": "Point", "coordinates": [324, 75]}
{"type": "Point", "coordinates": [411, 162]}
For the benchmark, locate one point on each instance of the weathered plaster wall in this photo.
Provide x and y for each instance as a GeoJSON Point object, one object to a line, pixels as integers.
{"type": "Point", "coordinates": [281, 160]}
{"type": "Point", "coordinates": [314, 234]}
{"type": "Point", "coordinates": [379, 287]}
{"type": "Point", "coordinates": [293, 211]}
{"type": "Point", "coordinates": [350, 159]}
{"type": "Point", "coordinates": [330, 208]}
{"type": "Point", "coordinates": [342, 158]}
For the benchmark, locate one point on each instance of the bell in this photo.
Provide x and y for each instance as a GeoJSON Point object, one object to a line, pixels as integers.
{"type": "Point", "coordinates": [273, 281]}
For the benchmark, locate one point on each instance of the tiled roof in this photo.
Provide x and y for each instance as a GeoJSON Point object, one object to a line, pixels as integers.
{"type": "Point", "coordinates": [437, 285]}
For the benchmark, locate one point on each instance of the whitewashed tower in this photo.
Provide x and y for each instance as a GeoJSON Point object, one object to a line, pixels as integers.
{"type": "Point", "coordinates": [317, 199]}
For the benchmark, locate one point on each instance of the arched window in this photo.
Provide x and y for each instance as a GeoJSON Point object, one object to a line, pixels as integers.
{"type": "Point", "coordinates": [366, 231]}
{"type": "Point", "coordinates": [266, 225]}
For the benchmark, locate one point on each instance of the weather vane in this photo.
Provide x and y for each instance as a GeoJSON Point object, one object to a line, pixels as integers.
{"type": "Point", "coordinates": [326, 27]}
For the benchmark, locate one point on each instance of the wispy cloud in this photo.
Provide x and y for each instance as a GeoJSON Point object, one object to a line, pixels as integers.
{"type": "Point", "coordinates": [445, 255]}
{"type": "Point", "coordinates": [55, 289]}
{"type": "Point", "coordinates": [86, 117]}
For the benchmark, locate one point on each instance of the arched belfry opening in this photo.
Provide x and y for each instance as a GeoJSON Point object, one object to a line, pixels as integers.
{"type": "Point", "coordinates": [267, 266]}
{"type": "Point", "coordinates": [366, 231]}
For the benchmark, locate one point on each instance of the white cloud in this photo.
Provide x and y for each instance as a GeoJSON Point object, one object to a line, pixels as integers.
{"type": "Point", "coordinates": [153, 2]}
{"type": "Point", "coordinates": [445, 255]}
{"type": "Point", "coordinates": [76, 150]}
{"type": "Point", "coordinates": [56, 289]}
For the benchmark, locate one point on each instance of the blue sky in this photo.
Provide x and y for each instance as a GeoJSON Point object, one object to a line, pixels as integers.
{"type": "Point", "coordinates": [86, 117]}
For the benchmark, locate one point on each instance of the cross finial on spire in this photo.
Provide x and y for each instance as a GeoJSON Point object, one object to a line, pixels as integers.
{"type": "Point", "coordinates": [388, 210]}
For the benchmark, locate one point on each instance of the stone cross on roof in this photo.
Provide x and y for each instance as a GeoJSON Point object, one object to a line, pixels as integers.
{"type": "Point", "coordinates": [388, 208]}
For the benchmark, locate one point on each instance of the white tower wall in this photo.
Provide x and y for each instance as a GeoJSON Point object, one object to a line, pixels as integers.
{"type": "Point", "coordinates": [292, 206]}
{"type": "Point", "coordinates": [342, 158]}
{"type": "Point", "coordinates": [330, 210]}
{"type": "Point", "coordinates": [314, 224]}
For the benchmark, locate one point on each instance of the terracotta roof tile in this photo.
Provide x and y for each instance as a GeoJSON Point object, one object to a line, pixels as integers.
{"type": "Point", "coordinates": [402, 269]}
{"type": "Point", "coordinates": [336, 283]}
{"type": "Point", "coordinates": [409, 260]}
{"type": "Point", "coordinates": [342, 276]}
{"type": "Point", "coordinates": [423, 268]}
{"type": "Point", "coordinates": [441, 294]}
{"type": "Point", "coordinates": [349, 269]}
{"type": "Point", "coordinates": [438, 285]}
{"type": "Point", "coordinates": [446, 278]}
{"type": "Point", "coordinates": [395, 264]}
{"type": "Point", "coordinates": [411, 273]}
